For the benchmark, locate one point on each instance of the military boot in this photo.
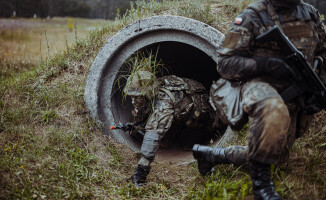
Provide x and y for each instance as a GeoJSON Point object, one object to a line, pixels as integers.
{"type": "Point", "coordinates": [262, 186]}
{"type": "Point", "coordinates": [139, 177]}
{"type": "Point", "coordinates": [208, 157]}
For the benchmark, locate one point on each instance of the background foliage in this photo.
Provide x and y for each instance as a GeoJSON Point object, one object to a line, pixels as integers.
{"type": "Point", "coordinates": [106, 9]}
{"type": "Point", "coordinates": [74, 8]}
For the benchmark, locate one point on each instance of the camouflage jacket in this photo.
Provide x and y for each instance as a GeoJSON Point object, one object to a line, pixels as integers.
{"type": "Point", "coordinates": [180, 100]}
{"type": "Point", "coordinates": [302, 26]}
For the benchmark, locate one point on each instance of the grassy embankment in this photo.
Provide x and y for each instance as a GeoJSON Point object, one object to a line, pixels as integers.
{"type": "Point", "coordinates": [51, 149]}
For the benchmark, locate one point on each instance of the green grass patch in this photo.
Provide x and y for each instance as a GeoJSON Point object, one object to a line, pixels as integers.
{"type": "Point", "coordinates": [226, 182]}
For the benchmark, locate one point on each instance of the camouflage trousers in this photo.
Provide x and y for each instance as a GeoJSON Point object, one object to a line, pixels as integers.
{"type": "Point", "coordinates": [272, 129]}
{"type": "Point", "coordinates": [184, 136]}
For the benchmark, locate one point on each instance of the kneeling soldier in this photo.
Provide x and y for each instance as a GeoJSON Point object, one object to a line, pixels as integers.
{"type": "Point", "coordinates": [262, 73]}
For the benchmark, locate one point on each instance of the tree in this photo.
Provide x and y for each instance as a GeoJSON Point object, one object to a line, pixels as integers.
{"type": "Point", "coordinates": [44, 8]}
{"type": "Point", "coordinates": [73, 8]}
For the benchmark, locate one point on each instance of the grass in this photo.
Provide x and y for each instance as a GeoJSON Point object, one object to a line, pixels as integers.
{"type": "Point", "coordinates": [25, 43]}
{"type": "Point", "coordinates": [51, 149]}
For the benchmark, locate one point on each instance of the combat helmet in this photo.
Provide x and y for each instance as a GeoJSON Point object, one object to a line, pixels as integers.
{"type": "Point", "coordinates": [141, 83]}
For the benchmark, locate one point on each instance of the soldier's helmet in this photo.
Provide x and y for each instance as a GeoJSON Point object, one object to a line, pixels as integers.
{"type": "Point", "coordinates": [141, 83]}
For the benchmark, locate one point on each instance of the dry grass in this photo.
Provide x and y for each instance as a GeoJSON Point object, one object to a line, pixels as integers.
{"type": "Point", "coordinates": [51, 149]}
{"type": "Point", "coordinates": [25, 43]}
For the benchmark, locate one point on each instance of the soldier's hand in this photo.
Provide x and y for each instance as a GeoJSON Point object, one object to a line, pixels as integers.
{"type": "Point", "coordinates": [312, 105]}
{"type": "Point", "coordinates": [274, 67]}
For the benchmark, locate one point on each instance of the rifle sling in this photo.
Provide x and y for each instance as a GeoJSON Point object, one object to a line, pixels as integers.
{"type": "Point", "coordinates": [290, 93]}
{"type": "Point", "coordinates": [272, 13]}
{"type": "Point", "coordinates": [168, 93]}
{"type": "Point", "coordinates": [141, 133]}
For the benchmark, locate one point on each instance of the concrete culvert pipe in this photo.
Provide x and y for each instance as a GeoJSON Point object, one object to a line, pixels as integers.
{"type": "Point", "coordinates": [186, 46]}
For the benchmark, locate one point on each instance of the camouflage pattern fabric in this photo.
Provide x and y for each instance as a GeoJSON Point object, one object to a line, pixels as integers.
{"type": "Point", "coordinates": [273, 129]}
{"type": "Point", "coordinates": [187, 112]}
{"type": "Point", "coordinates": [239, 155]}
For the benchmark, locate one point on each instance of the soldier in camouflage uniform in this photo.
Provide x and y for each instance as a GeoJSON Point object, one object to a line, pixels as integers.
{"type": "Point", "coordinates": [262, 75]}
{"type": "Point", "coordinates": [172, 103]}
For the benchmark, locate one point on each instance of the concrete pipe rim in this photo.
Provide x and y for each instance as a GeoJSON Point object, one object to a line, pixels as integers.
{"type": "Point", "coordinates": [137, 36]}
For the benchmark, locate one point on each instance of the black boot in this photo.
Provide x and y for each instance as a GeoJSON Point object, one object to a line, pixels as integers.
{"type": "Point", "coordinates": [208, 157]}
{"type": "Point", "coordinates": [139, 177]}
{"type": "Point", "coordinates": [262, 186]}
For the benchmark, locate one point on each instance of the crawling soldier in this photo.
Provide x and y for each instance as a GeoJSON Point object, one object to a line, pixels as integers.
{"type": "Point", "coordinates": [170, 103]}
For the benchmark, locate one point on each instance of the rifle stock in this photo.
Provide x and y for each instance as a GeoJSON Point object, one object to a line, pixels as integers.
{"type": "Point", "coordinates": [307, 82]}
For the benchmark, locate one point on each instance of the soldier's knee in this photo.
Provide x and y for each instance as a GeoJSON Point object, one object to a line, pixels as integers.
{"type": "Point", "coordinates": [150, 144]}
{"type": "Point", "coordinates": [269, 129]}
{"type": "Point", "coordinates": [272, 107]}
{"type": "Point", "coordinates": [275, 108]}
{"type": "Point", "coordinates": [271, 115]}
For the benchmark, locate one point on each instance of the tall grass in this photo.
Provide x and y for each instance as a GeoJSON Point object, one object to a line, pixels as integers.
{"type": "Point", "coordinates": [25, 43]}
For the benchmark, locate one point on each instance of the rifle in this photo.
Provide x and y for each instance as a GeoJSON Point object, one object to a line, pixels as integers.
{"type": "Point", "coordinates": [306, 82]}
{"type": "Point", "coordinates": [128, 127]}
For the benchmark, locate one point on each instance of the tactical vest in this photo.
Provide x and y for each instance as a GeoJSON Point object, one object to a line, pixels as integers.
{"type": "Point", "coordinates": [192, 108]}
{"type": "Point", "coordinates": [298, 26]}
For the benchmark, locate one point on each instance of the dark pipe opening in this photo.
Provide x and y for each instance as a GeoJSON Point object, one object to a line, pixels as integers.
{"type": "Point", "coordinates": [182, 60]}
{"type": "Point", "coordinates": [186, 61]}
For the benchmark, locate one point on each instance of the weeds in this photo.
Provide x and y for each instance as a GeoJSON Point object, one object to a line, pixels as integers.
{"type": "Point", "coordinates": [226, 183]}
{"type": "Point", "coordinates": [141, 61]}
{"type": "Point", "coordinates": [47, 41]}
{"type": "Point", "coordinates": [198, 10]}
{"type": "Point", "coordinates": [49, 116]}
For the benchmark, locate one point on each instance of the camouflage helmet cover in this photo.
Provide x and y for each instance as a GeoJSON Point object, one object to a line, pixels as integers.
{"type": "Point", "coordinates": [141, 83]}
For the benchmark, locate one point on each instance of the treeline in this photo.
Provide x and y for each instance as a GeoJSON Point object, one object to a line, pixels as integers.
{"type": "Point", "coordinates": [75, 8]}
{"type": "Point", "coordinates": [105, 9]}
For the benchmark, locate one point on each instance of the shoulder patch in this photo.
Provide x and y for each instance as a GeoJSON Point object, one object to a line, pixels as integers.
{"type": "Point", "coordinates": [238, 21]}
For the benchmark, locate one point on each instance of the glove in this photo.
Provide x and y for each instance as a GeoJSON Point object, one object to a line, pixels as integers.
{"type": "Point", "coordinates": [312, 106]}
{"type": "Point", "coordinates": [139, 177]}
{"type": "Point", "coordinates": [274, 67]}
